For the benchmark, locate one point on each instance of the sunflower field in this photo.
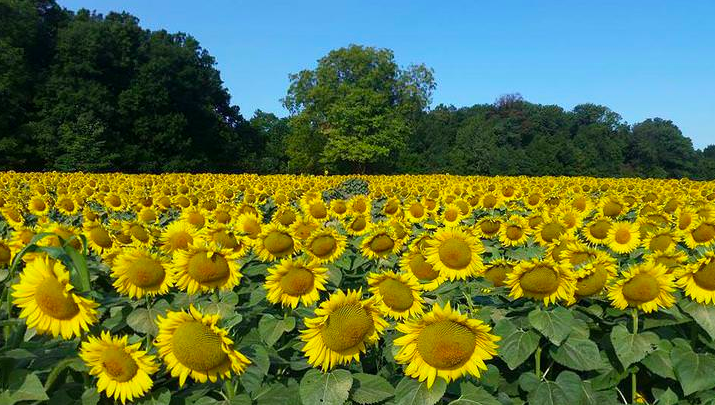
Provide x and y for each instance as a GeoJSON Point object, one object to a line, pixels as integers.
{"type": "Point", "coordinates": [403, 290]}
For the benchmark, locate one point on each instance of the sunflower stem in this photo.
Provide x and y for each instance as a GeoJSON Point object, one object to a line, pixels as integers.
{"type": "Point", "coordinates": [634, 378]}
{"type": "Point", "coordinates": [537, 368]}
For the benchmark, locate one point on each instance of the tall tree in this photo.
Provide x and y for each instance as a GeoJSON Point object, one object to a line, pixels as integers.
{"type": "Point", "coordinates": [355, 111]}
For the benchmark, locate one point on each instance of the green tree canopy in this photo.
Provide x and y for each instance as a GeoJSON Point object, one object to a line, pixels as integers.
{"type": "Point", "coordinates": [354, 112]}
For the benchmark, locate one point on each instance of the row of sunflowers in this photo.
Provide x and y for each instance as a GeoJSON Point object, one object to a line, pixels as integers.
{"type": "Point", "coordinates": [245, 289]}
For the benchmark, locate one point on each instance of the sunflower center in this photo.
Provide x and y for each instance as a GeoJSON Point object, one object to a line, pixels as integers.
{"type": "Point", "coordinates": [660, 243]}
{"type": "Point", "coordinates": [417, 210]}
{"type": "Point", "coordinates": [641, 288]}
{"type": "Point", "coordinates": [4, 254]}
{"type": "Point", "coordinates": [224, 239]}
{"type": "Point", "coordinates": [317, 210]}
{"type": "Point", "coordinates": [323, 245]}
{"type": "Point", "coordinates": [297, 281]}
{"type": "Point", "coordinates": [358, 224]}
{"type": "Point", "coordinates": [119, 364]}
{"type": "Point", "coordinates": [593, 283]}
{"type": "Point", "coordinates": [705, 276]}
{"type": "Point", "coordinates": [287, 218]}
{"type": "Point", "coordinates": [339, 207]}
{"type": "Point", "coordinates": [551, 231]}
{"type": "Point", "coordinates": [540, 280]}
{"type": "Point", "coordinates": [421, 269]}
{"type": "Point", "coordinates": [54, 301]}
{"type": "Point", "coordinates": [611, 209]}
{"type": "Point", "coordinates": [139, 233]}
{"type": "Point", "coordinates": [381, 243]}
{"type": "Point", "coordinates": [208, 270]}
{"type": "Point", "coordinates": [197, 347]}
{"type": "Point", "coordinates": [514, 232]}
{"type": "Point", "coordinates": [489, 227]}
{"type": "Point", "coordinates": [489, 201]}
{"type": "Point", "coordinates": [347, 327]}
{"type": "Point", "coordinates": [196, 219]}
{"type": "Point", "coordinates": [181, 240]}
{"type": "Point", "coordinates": [446, 345]}
{"type": "Point", "coordinates": [252, 228]}
{"type": "Point", "coordinates": [396, 295]}
{"type": "Point", "coordinates": [391, 207]}
{"type": "Point", "coordinates": [146, 272]}
{"type": "Point", "coordinates": [101, 237]}
{"type": "Point", "coordinates": [497, 274]}
{"type": "Point", "coordinates": [451, 215]}
{"type": "Point", "coordinates": [359, 206]}
{"type": "Point", "coordinates": [579, 258]}
{"type": "Point", "coordinates": [278, 243]}
{"type": "Point", "coordinates": [455, 253]}
{"type": "Point", "coordinates": [622, 236]}
{"type": "Point", "coordinates": [704, 233]}
{"type": "Point", "coordinates": [599, 230]}
{"type": "Point", "coordinates": [38, 204]}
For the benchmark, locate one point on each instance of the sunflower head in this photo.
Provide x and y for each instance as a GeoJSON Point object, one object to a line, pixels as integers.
{"type": "Point", "coordinates": [455, 254]}
{"type": "Point", "coordinates": [542, 280]}
{"type": "Point", "coordinates": [325, 245]}
{"type": "Point", "coordinates": [381, 242]}
{"type": "Point", "coordinates": [139, 272]}
{"type": "Point", "coordinates": [204, 267]}
{"type": "Point", "coordinates": [698, 279]}
{"type": "Point", "coordinates": [295, 280]}
{"type": "Point", "coordinates": [397, 295]}
{"type": "Point", "coordinates": [275, 242]}
{"type": "Point", "coordinates": [646, 286]}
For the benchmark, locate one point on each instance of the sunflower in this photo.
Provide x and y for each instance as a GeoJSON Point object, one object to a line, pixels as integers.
{"type": "Point", "coordinates": [671, 260]}
{"type": "Point", "coordinates": [455, 254]}
{"type": "Point", "coordinates": [645, 286]}
{"type": "Point", "coordinates": [415, 212]}
{"type": "Point", "coordinates": [13, 216]}
{"type": "Point", "coordinates": [195, 217]}
{"type": "Point", "coordinates": [285, 215]}
{"type": "Point", "coordinates": [39, 205]}
{"type": "Point", "coordinates": [415, 265]}
{"type": "Point", "coordinates": [123, 370]}
{"type": "Point", "coordinates": [444, 343]}
{"type": "Point", "coordinates": [325, 245]}
{"type": "Point", "coordinates": [204, 267]}
{"type": "Point", "coordinates": [662, 240]}
{"type": "Point", "coordinates": [357, 225]}
{"type": "Point", "coordinates": [249, 225]}
{"type": "Point", "coordinates": [315, 208]}
{"type": "Point", "coordinates": [303, 227]}
{"type": "Point", "coordinates": [623, 237]}
{"type": "Point", "coordinates": [514, 231]}
{"type": "Point", "coordinates": [549, 231]}
{"type": "Point", "coordinates": [225, 236]}
{"type": "Point", "coordinates": [139, 273]}
{"type": "Point", "coordinates": [488, 227]}
{"type": "Point", "coordinates": [380, 242]}
{"type": "Point", "coordinates": [275, 242]}
{"type": "Point", "coordinates": [178, 235]}
{"type": "Point", "coordinates": [140, 234]}
{"type": "Point", "coordinates": [359, 205]}
{"type": "Point", "coordinates": [342, 328]}
{"type": "Point", "coordinates": [66, 205]}
{"type": "Point", "coordinates": [541, 280]}
{"type": "Point", "coordinates": [391, 207]}
{"type": "Point", "coordinates": [192, 344]}
{"type": "Point", "coordinates": [596, 231]}
{"type": "Point", "coordinates": [98, 237]}
{"type": "Point", "coordinates": [701, 233]}
{"type": "Point", "coordinates": [48, 303]}
{"type": "Point", "coordinates": [593, 276]}
{"type": "Point", "coordinates": [338, 208]}
{"type": "Point", "coordinates": [698, 279]}
{"type": "Point", "coordinates": [397, 295]}
{"type": "Point", "coordinates": [497, 270]}
{"type": "Point", "coordinates": [5, 253]}
{"type": "Point", "coordinates": [452, 215]}
{"type": "Point", "coordinates": [295, 280]}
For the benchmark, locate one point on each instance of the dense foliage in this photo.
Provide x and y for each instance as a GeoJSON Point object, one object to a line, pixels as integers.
{"type": "Point", "coordinates": [81, 91]}
{"type": "Point", "coordinates": [405, 290]}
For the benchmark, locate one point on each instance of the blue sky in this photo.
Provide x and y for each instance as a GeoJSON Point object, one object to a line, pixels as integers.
{"type": "Point", "coordinates": [640, 58]}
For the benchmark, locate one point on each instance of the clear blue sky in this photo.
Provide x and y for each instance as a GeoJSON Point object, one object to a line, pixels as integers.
{"type": "Point", "coordinates": [641, 58]}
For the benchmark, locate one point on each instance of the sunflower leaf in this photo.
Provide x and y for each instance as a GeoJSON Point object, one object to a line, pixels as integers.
{"type": "Point", "coordinates": [704, 315]}
{"type": "Point", "coordinates": [694, 371]}
{"type": "Point", "coordinates": [472, 395]}
{"type": "Point", "coordinates": [516, 345]}
{"type": "Point", "coordinates": [412, 392]}
{"type": "Point", "coordinates": [555, 324]}
{"type": "Point", "coordinates": [578, 354]}
{"type": "Point", "coordinates": [330, 388]}
{"type": "Point", "coordinates": [631, 348]}
{"type": "Point", "coordinates": [370, 389]}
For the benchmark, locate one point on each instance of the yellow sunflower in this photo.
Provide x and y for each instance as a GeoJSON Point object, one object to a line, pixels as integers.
{"type": "Point", "coordinates": [671, 260]}
{"type": "Point", "coordinates": [698, 279]}
{"type": "Point", "coordinates": [549, 231]}
{"type": "Point", "coordinates": [451, 215]}
{"type": "Point", "coordinates": [357, 225]}
{"type": "Point", "coordinates": [295, 280]}
{"type": "Point", "coordinates": [325, 245]}
{"type": "Point", "coordinates": [139, 272]}
{"type": "Point", "coordinates": [249, 225]}
{"type": "Point", "coordinates": [541, 280]}
{"type": "Point", "coordinates": [497, 270]}
{"type": "Point", "coordinates": [455, 254]}
{"type": "Point", "coordinates": [416, 212]}
{"type": "Point", "coordinates": [193, 345]}
{"type": "Point", "coordinates": [663, 240]}
{"type": "Point", "coordinates": [380, 242]}
{"type": "Point", "coordinates": [39, 205]}
{"type": "Point", "coordinates": [593, 276]}
{"type": "Point", "coordinates": [303, 227]}
{"type": "Point", "coordinates": [48, 303]}
{"type": "Point", "coordinates": [275, 242]}
{"type": "Point", "coordinates": [178, 235]}
{"type": "Point", "coordinates": [98, 237]}
{"type": "Point", "coordinates": [623, 237]}
{"type": "Point", "coordinates": [596, 231]}
{"type": "Point", "coordinates": [514, 231]}
{"type": "Point", "coordinates": [343, 326]}
{"type": "Point", "coordinates": [488, 227]}
{"type": "Point", "coordinates": [205, 267]}
{"type": "Point", "coordinates": [645, 286]}
{"type": "Point", "coordinates": [415, 265]}
{"type": "Point", "coordinates": [444, 343]}
{"type": "Point", "coordinates": [397, 295]}
{"type": "Point", "coordinates": [701, 233]}
{"type": "Point", "coordinates": [123, 371]}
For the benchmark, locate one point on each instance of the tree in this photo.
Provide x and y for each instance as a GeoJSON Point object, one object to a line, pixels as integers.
{"type": "Point", "coordinates": [659, 149]}
{"type": "Point", "coordinates": [272, 133]}
{"type": "Point", "coordinates": [355, 111]}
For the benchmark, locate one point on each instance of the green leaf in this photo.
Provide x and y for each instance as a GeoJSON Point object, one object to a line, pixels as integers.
{"type": "Point", "coordinates": [158, 397]}
{"type": "Point", "coordinates": [278, 393]}
{"type": "Point", "coordinates": [412, 392]}
{"type": "Point", "coordinates": [548, 393]}
{"type": "Point", "coordinates": [369, 389]}
{"type": "Point", "coordinates": [330, 388]}
{"type": "Point", "coordinates": [694, 371]}
{"type": "Point", "coordinates": [579, 354]}
{"type": "Point", "coordinates": [271, 328]}
{"type": "Point", "coordinates": [143, 320]}
{"type": "Point", "coordinates": [253, 377]}
{"type": "Point", "coordinates": [555, 324]}
{"type": "Point", "coordinates": [79, 264]}
{"type": "Point", "coordinates": [472, 395]}
{"type": "Point", "coordinates": [516, 345]}
{"type": "Point", "coordinates": [90, 396]}
{"type": "Point", "coordinates": [704, 315]}
{"type": "Point", "coordinates": [631, 348]}
{"type": "Point", "coordinates": [659, 361]}
{"type": "Point", "coordinates": [23, 386]}
{"type": "Point", "coordinates": [665, 397]}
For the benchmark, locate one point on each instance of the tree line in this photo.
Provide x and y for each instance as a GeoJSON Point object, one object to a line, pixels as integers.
{"type": "Point", "coordinates": [91, 92]}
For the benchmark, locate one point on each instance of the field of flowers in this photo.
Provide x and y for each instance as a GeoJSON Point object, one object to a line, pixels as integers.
{"type": "Point", "coordinates": [244, 289]}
